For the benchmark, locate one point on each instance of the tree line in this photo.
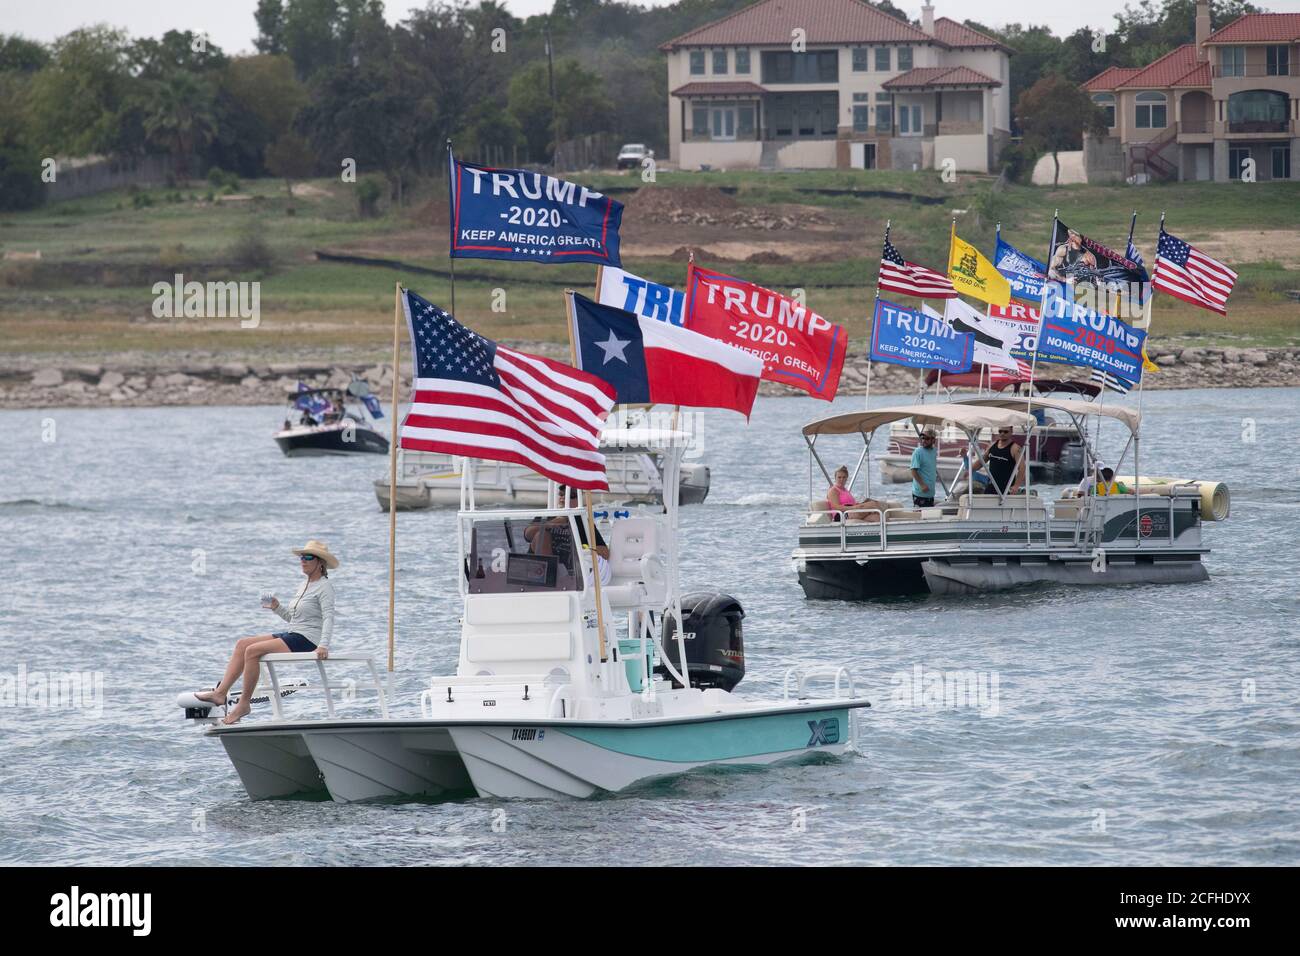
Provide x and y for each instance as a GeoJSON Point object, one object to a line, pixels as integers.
{"type": "Point", "coordinates": [332, 80]}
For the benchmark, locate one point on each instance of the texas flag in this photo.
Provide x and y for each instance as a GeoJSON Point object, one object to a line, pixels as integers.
{"type": "Point", "coordinates": [648, 361]}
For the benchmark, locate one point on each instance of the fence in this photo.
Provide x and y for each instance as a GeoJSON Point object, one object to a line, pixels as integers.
{"type": "Point", "coordinates": [99, 175]}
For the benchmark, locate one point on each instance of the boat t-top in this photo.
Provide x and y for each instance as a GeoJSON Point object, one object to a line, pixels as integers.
{"type": "Point", "coordinates": [566, 685]}
{"type": "Point", "coordinates": [970, 542]}
{"type": "Point", "coordinates": [332, 421]}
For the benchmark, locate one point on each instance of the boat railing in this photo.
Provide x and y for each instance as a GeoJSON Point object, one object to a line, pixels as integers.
{"type": "Point", "coordinates": [326, 687]}
{"type": "Point", "coordinates": [802, 675]}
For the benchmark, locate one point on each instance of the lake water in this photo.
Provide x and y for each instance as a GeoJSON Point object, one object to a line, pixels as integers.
{"type": "Point", "coordinates": [1137, 725]}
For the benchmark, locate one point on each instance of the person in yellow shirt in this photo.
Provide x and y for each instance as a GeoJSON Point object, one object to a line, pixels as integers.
{"type": "Point", "coordinates": [1107, 485]}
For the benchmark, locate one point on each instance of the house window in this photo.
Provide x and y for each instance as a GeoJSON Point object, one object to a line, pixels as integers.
{"type": "Point", "coordinates": [1237, 156]}
{"type": "Point", "coordinates": [909, 120]}
{"type": "Point", "coordinates": [904, 57]}
{"type": "Point", "coordinates": [1106, 103]}
{"type": "Point", "coordinates": [805, 114]}
{"type": "Point", "coordinates": [1279, 60]}
{"type": "Point", "coordinates": [1151, 111]}
{"type": "Point", "coordinates": [882, 59]}
{"type": "Point", "coordinates": [1257, 111]}
{"type": "Point", "coordinates": [724, 122]}
{"type": "Point", "coordinates": [862, 119]}
{"type": "Point", "coordinates": [745, 122]}
{"type": "Point", "coordinates": [742, 61]}
{"type": "Point", "coordinates": [821, 66]}
{"type": "Point", "coordinates": [1281, 162]}
{"type": "Point", "coordinates": [700, 122]}
{"type": "Point", "coordinates": [1232, 61]}
{"type": "Point", "coordinates": [720, 61]}
{"type": "Point", "coordinates": [697, 63]}
{"type": "Point", "coordinates": [884, 113]}
{"type": "Point", "coordinates": [861, 59]}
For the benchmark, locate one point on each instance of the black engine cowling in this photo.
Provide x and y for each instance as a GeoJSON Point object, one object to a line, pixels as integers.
{"type": "Point", "coordinates": [715, 648]}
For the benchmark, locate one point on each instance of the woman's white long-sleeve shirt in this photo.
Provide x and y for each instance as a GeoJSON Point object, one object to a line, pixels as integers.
{"type": "Point", "coordinates": [311, 612]}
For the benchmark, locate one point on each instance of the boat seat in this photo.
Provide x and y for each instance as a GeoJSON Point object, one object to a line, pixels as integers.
{"type": "Point", "coordinates": [991, 508]}
{"type": "Point", "coordinates": [636, 570]}
{"type": "Point", "coordinates": [1069, 509]}
{"type": "Point", "coordinates": [819, 511]}
{"type": "Point", "coordinates": [500, 628]}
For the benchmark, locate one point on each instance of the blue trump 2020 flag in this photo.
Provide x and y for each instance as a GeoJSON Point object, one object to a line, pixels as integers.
{"type": "Point", "coordinates": [521, 215]}
{"type": "Point", "coordinates": [1025, 273]}
{"type": "Point", "coordinates": [908, 337]}
{"type": "Point", "coordinates": [1078, 335]}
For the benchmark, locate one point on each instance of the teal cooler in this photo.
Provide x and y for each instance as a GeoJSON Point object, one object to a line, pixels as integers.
{"type": "Point", "coordinates": [636, 667]}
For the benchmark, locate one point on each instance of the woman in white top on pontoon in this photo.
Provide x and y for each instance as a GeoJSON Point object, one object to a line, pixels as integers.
{"type": "Point", "coordinates": [311, 624]}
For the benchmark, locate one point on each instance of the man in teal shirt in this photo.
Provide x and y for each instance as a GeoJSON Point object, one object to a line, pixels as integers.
{"type": "Point", "coordinates": [925, 469]}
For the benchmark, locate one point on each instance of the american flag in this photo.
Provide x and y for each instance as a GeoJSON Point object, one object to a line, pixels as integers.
{"type": "Point", "coordinates": [907, 278]}
{"type": "Point", "coordinates": [476, 398]}
{"type": "Point", "coordinates": [1192, 276]}
{"type": "Point", "coordinates": [1112, 382]}
{"type": "Point", "coordinates": [1002, 377]}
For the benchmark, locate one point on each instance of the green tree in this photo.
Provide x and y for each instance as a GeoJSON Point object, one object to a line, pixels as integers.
{"type": "Point", "coordinates": [290, 157]}
{"type": "Point", "coordinates": [179, 116]}
{"type": "Point", "coordinates": [1149, 30]}
{"type": "Point", "coordinates": [21, 55]}
{"type": "Point", "coordinates": [581, 105]}
{"type": "Point", "coordinates": [1054, 114]}
{"type": "Point", "coordinates": [80, 102]}
{"type": "Point", "coordinates": [363, 113]}
{"type": "Point", "coordinates": [258, 99]}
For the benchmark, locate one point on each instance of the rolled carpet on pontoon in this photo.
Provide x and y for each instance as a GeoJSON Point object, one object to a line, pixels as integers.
{"type": "Point", "coordinates": [1216, 501]}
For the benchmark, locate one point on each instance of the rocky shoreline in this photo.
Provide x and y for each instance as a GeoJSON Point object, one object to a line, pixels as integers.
{"type": "Point", "coordinates": [202, 379]}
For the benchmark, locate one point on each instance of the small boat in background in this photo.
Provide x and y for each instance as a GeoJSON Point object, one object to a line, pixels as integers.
{"type": "Point", "coordinates": [332, 421]}
{"type": "Point", "coordinates": [634, 467]}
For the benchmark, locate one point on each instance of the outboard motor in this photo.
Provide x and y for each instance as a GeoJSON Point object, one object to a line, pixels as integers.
{"type": "Point", "coordinates": [1071, 465]}
{"type": "Point", "coordinates": [712, 630]}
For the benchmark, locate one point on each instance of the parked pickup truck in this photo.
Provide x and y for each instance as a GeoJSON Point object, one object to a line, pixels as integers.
{"type": "Point", "coordinates": [631, 155]}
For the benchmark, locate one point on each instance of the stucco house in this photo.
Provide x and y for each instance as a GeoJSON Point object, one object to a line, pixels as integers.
{"type": "Point", "coordinates": [1201, 110]}
{"type": "Point", "coordinates": [836, 84]}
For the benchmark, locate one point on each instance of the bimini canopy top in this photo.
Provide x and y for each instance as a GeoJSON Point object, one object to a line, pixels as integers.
{"type": "Point", "coordinates": [1071, 406]}
{"type": "Point", "coordinates": [966, 416]}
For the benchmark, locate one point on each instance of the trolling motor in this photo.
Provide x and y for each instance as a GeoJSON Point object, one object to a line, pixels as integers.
{"type": "Point", "coordinates": [202, 711]}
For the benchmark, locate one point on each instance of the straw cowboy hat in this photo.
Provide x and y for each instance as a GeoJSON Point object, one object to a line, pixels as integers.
{"type": "Point", "coordinates": [321, 550]}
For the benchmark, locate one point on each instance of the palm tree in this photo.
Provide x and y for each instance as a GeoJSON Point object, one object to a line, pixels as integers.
{"type": "Point", "coordinates": [179, 116]}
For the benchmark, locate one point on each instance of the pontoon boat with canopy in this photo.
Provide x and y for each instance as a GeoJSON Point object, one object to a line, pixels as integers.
{"type": "Point", "coordinates": [992, 541]}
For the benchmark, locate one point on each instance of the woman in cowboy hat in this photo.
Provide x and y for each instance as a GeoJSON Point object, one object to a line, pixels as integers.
{"type": "Point", "coordinates": [311, 622]}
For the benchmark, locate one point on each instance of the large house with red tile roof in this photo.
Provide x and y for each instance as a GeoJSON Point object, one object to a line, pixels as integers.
{"type": "Point", "coordinates": [836, 84]}
{"type": "Point", "coordinates": [1202, 110]}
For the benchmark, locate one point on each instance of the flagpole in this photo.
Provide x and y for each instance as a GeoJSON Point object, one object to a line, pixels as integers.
{"type": "Point", "coordinates": [392, 477]}
{"type": "Point", "coordinates": [871, 329]}
{"type": "Point", "coordinates": [451, 216]}
{"type": "Point", "coordinates": [591, 518]}
{"type": "Point", "coordinates": [1042, 313]}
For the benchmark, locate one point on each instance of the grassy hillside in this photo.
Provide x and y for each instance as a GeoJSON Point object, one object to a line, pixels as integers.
{"type": "Point", "coordinates": [90, 290]}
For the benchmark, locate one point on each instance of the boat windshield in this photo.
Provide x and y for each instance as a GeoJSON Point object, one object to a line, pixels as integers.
{"type": "Point", "coordinates": [512, 555]}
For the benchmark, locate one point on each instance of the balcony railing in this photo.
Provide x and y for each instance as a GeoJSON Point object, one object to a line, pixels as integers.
{"type": "Point", "coordinates": [960, 127]}
{"type": "Point", "coordinates": [1196, 126]}
{"type": "Point", "coordinates": [1259, 126]}
{"type": "Point", "coordinates": [1219, 71]}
